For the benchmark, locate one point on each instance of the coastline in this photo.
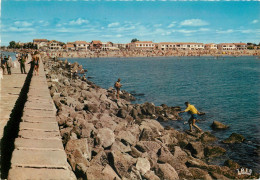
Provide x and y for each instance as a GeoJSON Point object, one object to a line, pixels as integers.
{"type": "Point", "coordinates": [89, 113]}
{"type": "Point", "coordinates": [138, 53]}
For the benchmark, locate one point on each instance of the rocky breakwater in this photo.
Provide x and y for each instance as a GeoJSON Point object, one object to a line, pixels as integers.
{"type": "Point", "coordinates": [105, 138]}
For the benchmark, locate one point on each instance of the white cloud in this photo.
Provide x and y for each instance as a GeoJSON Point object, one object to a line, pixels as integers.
{"type": "Point", "coordinates": [157, 25]}
{"type": "Point", "coordinates": [113, 24]}
{"type": "Point", "coordinates": [43, 23]}
{"type": "Point", "coordinates": [17, 29]}
{"type": "Point", "coordinates": [225, 31]}
{"type": "Point", "coordinates": [204, 29]}
{"type": "Point", "coordinates": [172, 24]}
{"type": "Point", "coordinates": [78, 21]}
{"type": "Point", "coordinates": [185, 31]}
{"type": "Point", "coordinates": [22, 23]}
{"type": "Point", "coordinates": [193, 22]}
{"type": "Point", "coordinates": [255, 21]}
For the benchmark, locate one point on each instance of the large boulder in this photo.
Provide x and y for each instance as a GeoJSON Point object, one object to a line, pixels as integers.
{"type": "Point", "coordinates": [127, 137]}
{"type": "Point", "coordinates": [166, 171]}
{"type": "Point", "coordinates": [231, 164]}
{"type": "Point", "coordinates": [234, 138]}
{"type": "Point", "coordinates": [207, 137]}
{"type": "Point", "coordinates": [218, 126]}
{"type": "Point", "coordinates": [105, 137]}
{"type": "Point", "coordinates": [150, 175]}
{"type": "Point", "coordinates": [213, 151]}
{"type": "Point", "coordinates": [196, 149]}
{"type": "Point", "coordinates": [121, 162]}
{"type": "Point", "coordinates": [109, 173]}
{"type": "Point", "coordinates": [200, 174]}
{"type": "Point", "coordinates": [78, 152]}
{"type": "Point", "coordinates": [143, 165]}
{"type": "Point", "coordinates": [148, 109]}
{"type": "Point", "coordinates": [119, 146]}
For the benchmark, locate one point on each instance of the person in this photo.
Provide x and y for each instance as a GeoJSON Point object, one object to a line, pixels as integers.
{"type": "Point", "coordinates": [3, 64]}
{"type": "Point", "coordinates": [118, 86]}
{"type": "Point", "coordinates": [9, 64]}
{"type": "Point", "coordinates": [194, 115]}
{"type": "Point", "coordinates": [22, 63]}
{"type": "Point", "coordinates": [36, 60]}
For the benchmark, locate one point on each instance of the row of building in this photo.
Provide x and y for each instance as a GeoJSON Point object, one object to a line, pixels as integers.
{"type": "Point", "coordinates": [94, 45]}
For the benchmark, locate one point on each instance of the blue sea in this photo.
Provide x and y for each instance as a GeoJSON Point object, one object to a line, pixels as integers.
{"type": "Point", "coordinates": [227, 89]}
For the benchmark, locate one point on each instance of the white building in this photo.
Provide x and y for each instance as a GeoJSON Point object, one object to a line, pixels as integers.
{"type": "Point", "coordinates": [142, 45]}
{"type": "Point", "coordinates": [81, 45]}
{"type": "Point", "coordinates": [211, 46]}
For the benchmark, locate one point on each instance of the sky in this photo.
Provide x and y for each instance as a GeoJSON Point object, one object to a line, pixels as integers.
{"type": "Point", "coordinates": [119, 21]}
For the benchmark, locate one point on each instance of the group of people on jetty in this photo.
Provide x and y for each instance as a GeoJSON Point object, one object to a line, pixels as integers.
{"type": "Point", "coordinates": [23, 58]}
{"type": "Point", "coordinates": [191, 109]}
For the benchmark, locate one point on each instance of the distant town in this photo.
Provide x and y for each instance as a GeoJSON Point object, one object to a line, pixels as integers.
{"type": "Point", "coordinates": [135, 48]}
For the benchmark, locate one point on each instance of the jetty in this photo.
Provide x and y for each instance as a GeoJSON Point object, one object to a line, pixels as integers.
{"type": "Point", "coordinates": [31, 145]}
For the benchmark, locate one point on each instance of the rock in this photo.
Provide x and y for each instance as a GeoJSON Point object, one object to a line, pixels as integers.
{"type": "Point", "coordinates": [100, 159]}
{"type": "Point", "coordinates": [218, 126]}
{"type": "Point", "coordinates": [79, 107]}
{"type": "Point", "coordinates": [65, 134]}
{"type": "Point", "coordinates": [207, 137]}
{"type": "Point", "coordinates": [105, 137]}
{"type": "Point", "coordinates": [200, 174]}
{"type": "Point", "coordinates": [122, 113]}
{"type": "Point", "coordinates": [91, 107]}
{"type": "Point", "coordinates": [119, 146]}
{"type": "Point", "coordinates": [161, 118]}
{"type": "Point", "coordinates": [193, 162]}
{"type": "Point", "coordinates": [121, 162]}
{"type": "Point", "coordinates": [78, 152]}
{"type": "Point", "coordinates": [148, 109]}
{"type": "Point", "coordinates": [134, 174]}
{"type": "Point", "coordinates": [168, 140]}
{"type": "Point", "coordinates": [143, 165]}
{"type": "Point", "coordinates": [166, 171]}
{"type": "Point", "coordinates": [234, 138]}
{"type": "Point", "coordinates": [196, 149]}
{"type": "Point", "coordinates": [109, 173]}
{"type": "Point", "coordinates": [150, 175]}
{"type": "Point", "coordinates": [80, 171]}
{"type": "Point", "coordinates": [213, 151]}
{"type": "Point", "coordinates": [134, 113]}
{"type": "Point", "coordinates": [231, 164]}
{"type": "Point", "coordinates": [127, 137]}
{"type": "Point", "coordinates": [218, 176]}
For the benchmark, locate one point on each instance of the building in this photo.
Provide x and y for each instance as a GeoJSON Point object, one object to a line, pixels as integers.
{"type": "Point", "coordinates": [120, 45]}
{"type": "Point", "coordinates": [226, 46]}
{"type": "Point", "coordinates": [240, 46]}
{"type": "Point", "coordinates": [166, 46]}
{"type": "Point", "coordinates": [211, 46]}
{"type": "Point", "coordinates": [54, 45]}
{"type": "Point", "coordinates": [95, 45]}
{"type": "Point", "coordinates": [70, 46]}
{"type": "Point", "coordinates": [81, 45]}
{"type": "Point", "coordinates": [142, 45]}
{"type": "Point", "coordinates": [107, 46]}
{"type": "Point", "coordinates": [41, 43]}
{"type": "Point", "coordinates": [189, 46]}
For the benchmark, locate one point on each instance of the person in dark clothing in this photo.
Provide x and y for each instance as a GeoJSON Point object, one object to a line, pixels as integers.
{"type": "Point", "coordinates": [9, 64]}
{"type": "Point", "coordinates": [3, 64]}
{"type": "Point", "coordinates": [22, 63]}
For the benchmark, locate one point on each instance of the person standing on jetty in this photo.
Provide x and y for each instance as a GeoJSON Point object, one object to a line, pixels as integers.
{"type": "Point", "coordinates": [36, 59]}
{"type": "Point", "coordinates": [9, 65]}
{"type": "Point", "coordinates": [194, 115]}
{"type": "Point", "coordinates": [118, 85]}
{"type": "Point", "coordinates": [22, 63]}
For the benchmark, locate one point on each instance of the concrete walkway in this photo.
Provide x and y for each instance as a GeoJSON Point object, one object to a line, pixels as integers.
{"type": "Point", "coordinates": [39, 153]}
{"type": "Point", "coordinates": [10, 87]}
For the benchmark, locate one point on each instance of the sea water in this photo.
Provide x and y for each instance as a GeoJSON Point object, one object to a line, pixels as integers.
{"type": "Point", "coordinates": [227, 89]}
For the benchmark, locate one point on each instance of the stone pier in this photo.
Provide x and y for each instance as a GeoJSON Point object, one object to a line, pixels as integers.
{"type": "Point", "coordinates": [38, 150]}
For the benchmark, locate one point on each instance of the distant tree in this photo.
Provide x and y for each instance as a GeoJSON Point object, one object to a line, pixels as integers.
{"type": "Point", "coordinates": [12, 44]}
{"type": "Point", "coordinates": [134, 40]}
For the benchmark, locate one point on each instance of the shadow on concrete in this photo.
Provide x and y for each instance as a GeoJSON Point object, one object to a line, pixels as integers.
{"type": "Point", "coordinates": [12, 128]}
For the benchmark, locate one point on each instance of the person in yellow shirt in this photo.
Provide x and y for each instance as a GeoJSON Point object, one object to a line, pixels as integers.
{"type": "Point", "coordinates": [194, 115]}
